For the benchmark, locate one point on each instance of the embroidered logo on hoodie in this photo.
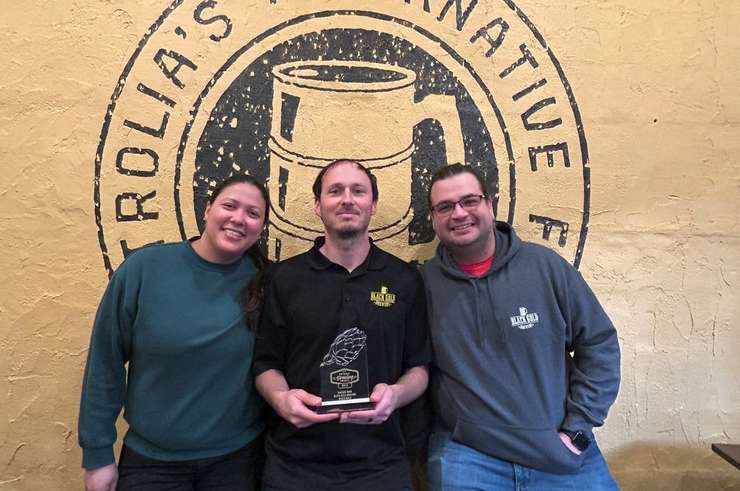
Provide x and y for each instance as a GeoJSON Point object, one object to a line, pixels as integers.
{"type": "Point", "coordinates": [524, 320]}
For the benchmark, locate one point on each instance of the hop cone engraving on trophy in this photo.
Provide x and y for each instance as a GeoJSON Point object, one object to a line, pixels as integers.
{"type": "Point", "coordinates": [345, 348]}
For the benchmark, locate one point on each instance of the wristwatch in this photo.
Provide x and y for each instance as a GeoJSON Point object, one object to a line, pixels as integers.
{"type": "Point", "coordinates": [578, 439]}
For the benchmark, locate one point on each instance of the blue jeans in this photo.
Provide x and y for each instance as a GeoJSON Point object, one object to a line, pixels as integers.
{"type": "Point", "coordinates": [456, 467]}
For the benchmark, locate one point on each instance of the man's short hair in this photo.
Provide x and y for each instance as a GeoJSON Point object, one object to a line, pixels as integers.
{"type": "Point", "coordinates": [319, 179]}
{"type": "Point", "coordinates": [455, 170]}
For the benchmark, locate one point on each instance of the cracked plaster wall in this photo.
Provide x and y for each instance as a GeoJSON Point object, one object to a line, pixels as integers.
{"type": "Point", "coordinates": [657, 85]}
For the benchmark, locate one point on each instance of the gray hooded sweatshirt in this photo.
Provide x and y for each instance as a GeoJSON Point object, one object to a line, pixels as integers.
{"type": "Point", "coordinates": [520, 353]}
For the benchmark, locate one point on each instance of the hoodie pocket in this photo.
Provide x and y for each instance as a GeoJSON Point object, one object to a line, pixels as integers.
{"type": "Point", "coordinates": [540, 449]}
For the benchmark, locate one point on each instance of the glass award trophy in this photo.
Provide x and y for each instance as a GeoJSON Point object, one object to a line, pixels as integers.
{"type": "Point", "coordinates": [344, 374]}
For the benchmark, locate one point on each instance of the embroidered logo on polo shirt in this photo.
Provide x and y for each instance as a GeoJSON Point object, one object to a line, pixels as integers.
{"type": "Point", "coordinates": [383, 298]}
{"type": "Point", "coordinates": [524, 320]}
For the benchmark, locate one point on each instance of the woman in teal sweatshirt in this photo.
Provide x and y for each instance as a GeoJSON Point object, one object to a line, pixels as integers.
{"type": "Point", "coordinates": [174, 313]}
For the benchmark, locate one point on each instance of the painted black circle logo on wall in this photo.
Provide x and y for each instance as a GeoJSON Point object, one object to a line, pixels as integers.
{"type": "Point", "coordinates": [279, 90]}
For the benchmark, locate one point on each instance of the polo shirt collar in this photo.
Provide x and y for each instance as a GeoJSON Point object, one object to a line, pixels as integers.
{"type": "Point", "coordinates": [375, 259]}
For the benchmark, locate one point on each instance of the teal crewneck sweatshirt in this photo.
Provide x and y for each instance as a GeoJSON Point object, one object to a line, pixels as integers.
{"type": "Point", "coordinates": [188, 393]}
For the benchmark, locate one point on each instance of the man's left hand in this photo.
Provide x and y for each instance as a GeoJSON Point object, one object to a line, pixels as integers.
{"type": "Point", "coordinates": [384, 397]}
{"type": "Point", "coordinates": [566, 441]}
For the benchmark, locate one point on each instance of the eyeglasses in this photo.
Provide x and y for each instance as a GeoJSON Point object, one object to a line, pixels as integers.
{"type": "Point", "coordinates": [468, 203]}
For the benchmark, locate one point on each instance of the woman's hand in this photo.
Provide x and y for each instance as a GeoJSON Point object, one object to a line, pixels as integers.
{"type": "Point", "coordinates": [102, 478]}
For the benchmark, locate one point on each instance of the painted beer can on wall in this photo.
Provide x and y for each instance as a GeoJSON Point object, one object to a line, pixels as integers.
{"type": "Point", "coordinates": [327, 110]}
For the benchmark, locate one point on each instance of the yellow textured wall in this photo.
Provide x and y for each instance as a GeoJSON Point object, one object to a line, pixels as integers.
{"type": "Point", "coordinates": [656, 86]}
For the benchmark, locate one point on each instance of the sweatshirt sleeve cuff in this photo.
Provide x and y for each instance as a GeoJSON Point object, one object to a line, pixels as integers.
{"type": "Point", "coordinates": [575, 422]}
{"type": "Point", "coordinates": [93, 458]}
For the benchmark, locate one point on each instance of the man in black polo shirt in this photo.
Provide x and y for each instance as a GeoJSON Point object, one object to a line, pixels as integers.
{"type": "Point", "coordinates": [311, 299]}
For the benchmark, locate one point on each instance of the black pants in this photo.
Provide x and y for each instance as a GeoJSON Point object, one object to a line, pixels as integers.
{"type": "Point", "coordinates": [237, 471]}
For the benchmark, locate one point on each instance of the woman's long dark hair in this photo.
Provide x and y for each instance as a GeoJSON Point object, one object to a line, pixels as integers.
{"type": "Point", "coordinates": [253, 293]}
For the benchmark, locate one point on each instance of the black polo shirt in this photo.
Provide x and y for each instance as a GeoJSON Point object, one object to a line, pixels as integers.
{"type": "Point", "coordinates": [308, 302]}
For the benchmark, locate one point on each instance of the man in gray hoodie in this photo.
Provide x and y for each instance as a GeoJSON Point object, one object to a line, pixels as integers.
{"type": "Point", "coordinates": [526, 362]}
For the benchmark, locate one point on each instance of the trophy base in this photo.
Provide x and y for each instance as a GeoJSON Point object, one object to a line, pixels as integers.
{"type": "Point", "coordinates": [344, 406]}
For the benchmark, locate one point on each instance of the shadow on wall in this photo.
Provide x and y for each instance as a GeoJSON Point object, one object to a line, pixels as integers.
{"type": "Point", "coordinates": [656, 467]}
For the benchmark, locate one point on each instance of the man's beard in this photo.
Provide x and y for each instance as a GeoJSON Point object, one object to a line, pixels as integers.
{"type": "Point", "coordinates": [352, 231]}
{"type": "Point", "coordinates": [346, 234]}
